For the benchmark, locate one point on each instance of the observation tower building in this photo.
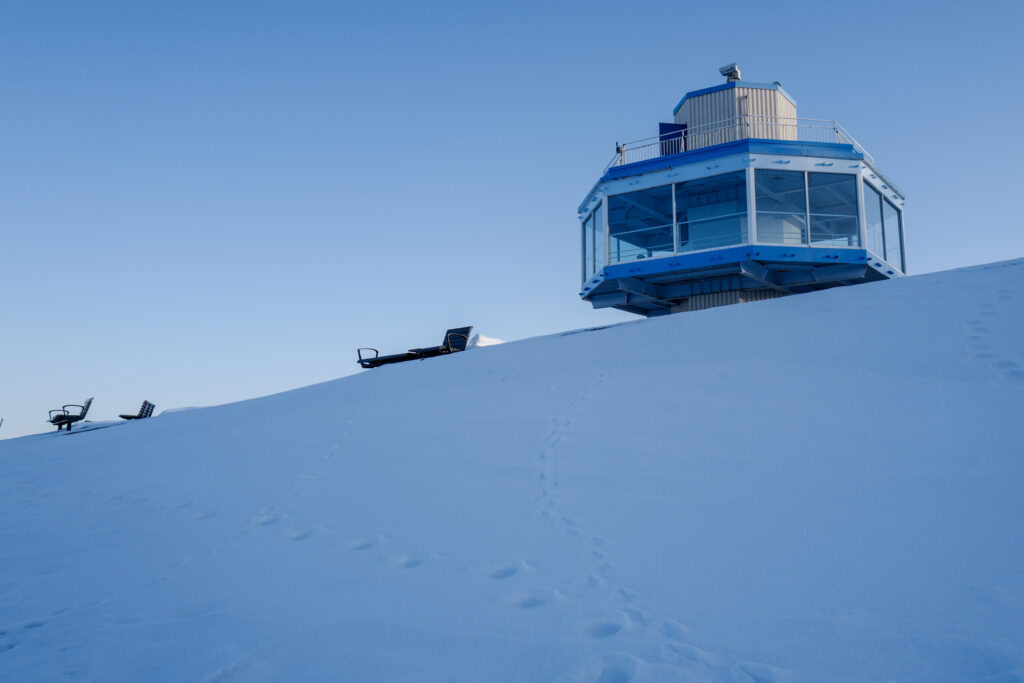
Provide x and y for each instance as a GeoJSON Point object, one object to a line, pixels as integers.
{"type": "Point", "coordinates": [737, 200]}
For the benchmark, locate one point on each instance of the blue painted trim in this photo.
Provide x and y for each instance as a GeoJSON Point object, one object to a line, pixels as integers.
{"type": "Point", "coordinates": [734, 84]}
{"type": "Point", "coordinates": [738, 254]}
{"type": "Point", "coordinates": [885, 181]}
{"type": "Point", "coordinates": [671, 264]}
{"type": "Point", "coordinates": [604, 282]}
{"type": "Point", "coordinates": [827, 150]}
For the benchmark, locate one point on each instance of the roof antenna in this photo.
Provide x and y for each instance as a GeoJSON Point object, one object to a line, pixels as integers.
{"type": "Point", "coordinates": [731, 72]}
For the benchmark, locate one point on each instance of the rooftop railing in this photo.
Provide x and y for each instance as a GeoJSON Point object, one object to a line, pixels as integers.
{"type": "Point", "coordinates": [731, 130]}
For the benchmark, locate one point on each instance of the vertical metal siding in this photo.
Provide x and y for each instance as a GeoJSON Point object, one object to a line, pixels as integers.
{"type": "Point", "coordinates": [702, 301]}
{"type": "Point", "coordinates": [787, 110]}
{"type": "Point", "coordinates": [699, 302]}
{"type": "Point", "coordinates": [702, 113]}
{"type": "Point", "coordinates": [772, 115]}
{"type": "Point", "coordinates": [749, 295]}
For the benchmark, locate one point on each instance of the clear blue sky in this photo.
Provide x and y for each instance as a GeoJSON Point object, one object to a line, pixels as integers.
{"type": "Point", "coordinates": [202, 202]}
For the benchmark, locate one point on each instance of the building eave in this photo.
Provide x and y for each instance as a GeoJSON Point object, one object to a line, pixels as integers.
{"type": "Point", "coordinates": [828, 150]}
{"type": "Point", "coordinates": [734, 84]}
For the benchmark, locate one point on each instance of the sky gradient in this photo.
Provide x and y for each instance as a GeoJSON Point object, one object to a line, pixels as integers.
{"type": "Point", "coordinates": [205, 202]}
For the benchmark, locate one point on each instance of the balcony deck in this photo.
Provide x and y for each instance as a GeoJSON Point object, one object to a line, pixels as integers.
{"type": "Point", "coordinates": [732, 130]}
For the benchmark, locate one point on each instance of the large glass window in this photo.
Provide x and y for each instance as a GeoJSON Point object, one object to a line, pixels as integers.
{"type": "Point", "coordinates": [640, 224]}
{"type": "Point", "coordinates": [712, 212]}
{"type": "Point", "coordinates": [792, 207]}
{"type": "Point", "coordinates": [893, 234]}
{"type": "Point", "coordinates": [781, 206]}
{"type": "Point", "coordinates": [873, 220]}
{"type": "Point", "coordinates": [833, 202]}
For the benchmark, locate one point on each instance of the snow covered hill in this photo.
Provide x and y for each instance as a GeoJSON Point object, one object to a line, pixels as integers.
{"type": "Point", "coordinates": [821, 487]}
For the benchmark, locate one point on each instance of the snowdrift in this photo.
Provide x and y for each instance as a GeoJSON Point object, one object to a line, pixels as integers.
{"type": "Point", "coordinates": [821, 487]}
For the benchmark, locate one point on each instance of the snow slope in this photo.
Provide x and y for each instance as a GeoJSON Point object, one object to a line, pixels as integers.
{"type": "Point", "coordinates": [480, 340]}
{"type": "Point", "coordinates": [821, 487]}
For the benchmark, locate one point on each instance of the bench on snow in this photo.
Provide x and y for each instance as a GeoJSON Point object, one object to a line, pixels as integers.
{"type": "Point", "coordinates": [63, 417]}
{"type": "Point", "coordinates": [145, 411]}
{"type": "Point", "coordinates": [455, 340]}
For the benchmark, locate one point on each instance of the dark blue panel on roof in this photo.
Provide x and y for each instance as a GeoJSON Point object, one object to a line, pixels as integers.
{"type": "Point", "coordinates": [667, 132]}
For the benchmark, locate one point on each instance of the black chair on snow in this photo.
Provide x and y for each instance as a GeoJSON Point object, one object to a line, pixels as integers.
{"type": "Point", "coordinates": [64, 418]}
{"type": "Point", "coordinates": [455, 340]}
{"type": "Point", "coordinates": [145, 411]}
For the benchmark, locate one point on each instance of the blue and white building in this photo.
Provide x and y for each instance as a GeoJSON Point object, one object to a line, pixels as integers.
{"type": "Point", "coordinates": [737, 200]}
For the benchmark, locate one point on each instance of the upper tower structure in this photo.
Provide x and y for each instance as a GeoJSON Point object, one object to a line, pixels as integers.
{"type": "Point", "coordinates": [737, 200]}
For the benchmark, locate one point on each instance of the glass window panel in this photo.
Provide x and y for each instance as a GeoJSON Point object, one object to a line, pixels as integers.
{"type": "Point", "coordinates": [781, 206]}
{"type": "Point", "coordinates": [640, 224]}
{"type": "Point", "coordinates": [873, 220]}
{"type": "Point", "coordinates": [835, 231]}
{"type": "Point", "coordinates": [712, 212]}
{"type": "Point", "coordinates": [833, 202]}
{"type": "Point", "coordinates": [893, 233]}
{"type": "Point", "coordinates": [599, 241]}
{"type": "Point", "coordinates": [720, 232]}
{"type": "Point", "coordinates": [588, 248]}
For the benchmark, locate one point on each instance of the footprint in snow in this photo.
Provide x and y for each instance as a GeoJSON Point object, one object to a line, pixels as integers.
{"type": "Point", "coordinates": [360, 544]}
{"type": "Point", "coordinates": [628, 595]}
{"type": "Point", "coordinates": [638, 615]}
{"type": "Point", "coordinates": [616, 667]}
{"type": "Point", "coordinates": [678, 647]}
{"type": "Point", "coordinates": [531, 602]}
{"type": "Point", "coordinates": [158, 581]}
{"type": "Point", "coordinates": [603, 629]}
{"type": "Point", "coordinates": [505, 571]}
{"type": "Point", "coordinates": [266, 518]}
{"type": "Point", "coordinates": [681, 652]}
{"type": "Point", "coordinates": [604, 626]}
{"type": "Point", "coordinates": [11, 638]}
{"type": "Point", "coordinates": [759, 673]}
{"type": "Point", "coordinates": [412, 560]}
{"type": "Point", "coordinates": [531, 598]}
{"type": "Point", "coordinates": [673, 630]}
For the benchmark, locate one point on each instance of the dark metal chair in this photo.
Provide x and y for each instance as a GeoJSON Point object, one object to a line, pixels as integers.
{"type": "Point", "coordinates": [64, 418]}
{"type": "Point", "coordinates": [455, 340]}
{"type": "Point", "coordinates": [145, 411]}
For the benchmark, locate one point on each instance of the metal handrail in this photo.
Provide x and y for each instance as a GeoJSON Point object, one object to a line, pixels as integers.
{"type": "Point", "coordinates": [853, 141]}
{"type": "Point", "coordinates": [732, 129]}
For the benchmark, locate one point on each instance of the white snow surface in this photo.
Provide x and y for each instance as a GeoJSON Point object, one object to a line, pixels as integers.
{"type": "Point", "coordinates": [479, 340]}
{"type": "Point", "coordinates": [820, 487]}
